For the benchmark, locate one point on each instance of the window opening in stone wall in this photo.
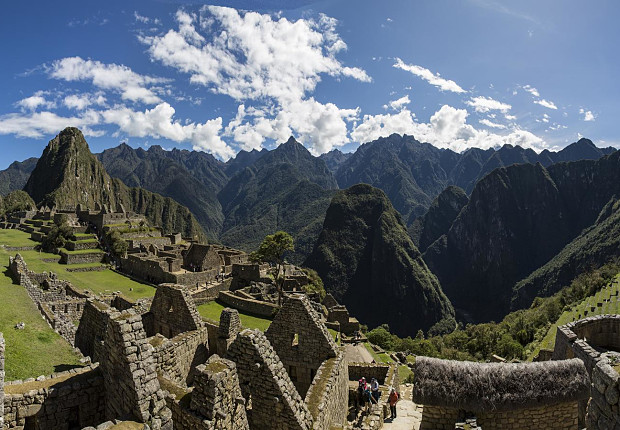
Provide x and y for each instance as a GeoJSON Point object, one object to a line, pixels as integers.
{"type": "Point", "coordinates": [292, 373]}
{"type": "Point", "coordinates": [295, 340]}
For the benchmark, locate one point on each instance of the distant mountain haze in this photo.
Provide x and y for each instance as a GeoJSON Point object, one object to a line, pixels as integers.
{"type": "Point", "coordinates": [484, 231]}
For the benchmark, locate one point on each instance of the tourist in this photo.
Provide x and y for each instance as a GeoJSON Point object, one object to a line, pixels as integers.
{"type": "Point", "coordinates": [361, 388]}
{"type": "Point", "coordinates": [393, 399]}
{"type": "Point", "coordinates": [374, 388]}
{"type": "Point", "coordinates": [368, 398]}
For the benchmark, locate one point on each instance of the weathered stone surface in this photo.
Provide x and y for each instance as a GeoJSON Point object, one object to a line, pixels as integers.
{"type": "Point", "coordinates": [265, 385]}
{"type": "Point", "coordinates": [301, 340]}
{"type": "Point", "coordinates": [128, 365]}
{"type": "Point", "coordinates": [174, 311]}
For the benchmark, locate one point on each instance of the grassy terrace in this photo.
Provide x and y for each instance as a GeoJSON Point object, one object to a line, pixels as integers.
{"type": "Point", "coordinates": [37, 349]}
{"type": "Point", "coordinates": [211, 311]}
{"type": "Point", "coordinates": [607, 297]}
{"type": "Point", "coordinates": [106, 281]}
{"type": "Point", "coordinates": [81, 251]}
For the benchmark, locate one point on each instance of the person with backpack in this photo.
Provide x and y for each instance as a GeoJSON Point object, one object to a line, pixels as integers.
{"type": "Point", "coordinates": [393, 399]}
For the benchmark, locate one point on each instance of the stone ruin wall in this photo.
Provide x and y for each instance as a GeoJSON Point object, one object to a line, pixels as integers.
{"type": "Point", "coordinates": [191, 278]}
{"type": "Point", "coordinates": [265, 385]}
{"type": "Point", "coordinates": [552, 417]}
{"type": "Point", "coordinates": [217, 395]}
{"type": "Point", "coordinates": [210, 293]}
{"type": "Point", "coordinates": [150, 270]}
{"type": "Point", "coordinates": [328, 395]}
{"type": "Point", "coordinates": [92, 328]}
{"type": "Point", "coordinates": [74, 398]}
{"type": "Point", "coordinates": [130, 379]}
{"type": "Point", "coordinates": [576, 339]}
{"type": "Point", "coordinates": [251, 306]}
{"type": "Point", "coordinates": [94, 257]}
{"type": "Point", "coordinates": [175, 358]}
{"type": "Point", "coordinates": [173, 311]}
{"type": "Point", "coordinates": [301, 340]}
{"type": "Point", "coordinates": [369, 370]}
{"type": "Point", "coordinates": [60, 305]}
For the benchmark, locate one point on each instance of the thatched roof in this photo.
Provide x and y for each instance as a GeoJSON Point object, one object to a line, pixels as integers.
{"type": "Point", "coordinates": [498, 386]}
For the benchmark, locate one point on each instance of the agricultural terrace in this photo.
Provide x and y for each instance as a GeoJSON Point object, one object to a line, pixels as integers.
{"type": "Point", "coordinates": [103, 281]}
{"type": "Point", "coordinates": [605, 301]}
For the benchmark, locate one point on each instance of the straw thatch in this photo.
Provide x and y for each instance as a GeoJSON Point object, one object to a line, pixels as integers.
{"type": "Point", "coordinates": [498, 386]}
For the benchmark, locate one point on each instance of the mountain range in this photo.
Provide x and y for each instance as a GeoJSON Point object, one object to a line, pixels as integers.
{"type": "Point", "coordinates": [68, 174]}
{"type": "Point", "coordinates": [488, 229]}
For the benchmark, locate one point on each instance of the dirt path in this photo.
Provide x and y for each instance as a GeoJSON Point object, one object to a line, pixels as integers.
{"type": "Point", "coordinates": [358, 353]}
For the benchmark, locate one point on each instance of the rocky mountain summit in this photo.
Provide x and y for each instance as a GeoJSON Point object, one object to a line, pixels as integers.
{"type": "Point", "coordinates": [368, 262]}
{"type": "Point", "coordinates": [68, 174]}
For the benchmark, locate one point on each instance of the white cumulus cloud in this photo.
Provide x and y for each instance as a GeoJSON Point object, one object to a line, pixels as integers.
{"type": "Point", "coordinates": [399, 103]}
{"type": "Point", "coordinates": [82, 101]}
{"type": "Point", "coordinates": [491, 124]}
{"type": "Point", "coordinates": [447, 128]}
{"type": "Point", "coordinates": [432, 78]}
{"type": "Point", "coordinates": [159, 122]}
{"type": "Point", "coordinates": [587, 115]}
{"type": "Point", "coordinates": [271, 65]}
{"type": "Point", "coordinates": [35, 101]}
{"type": "Point", "coordinates": [530, 89]}
{"type": "Point", "coordinates": [131, 85]}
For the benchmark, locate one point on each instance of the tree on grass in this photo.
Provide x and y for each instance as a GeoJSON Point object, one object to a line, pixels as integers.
{"type": "Point", "coordinates": [272, 250]}
{"type": "Point", "coordinates": [58, 236]}
{"type": "Point", "coordinates": [118, 245]}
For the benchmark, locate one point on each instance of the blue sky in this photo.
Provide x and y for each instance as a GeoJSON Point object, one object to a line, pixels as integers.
{"type": "Point", "coordinates": [221, 77]}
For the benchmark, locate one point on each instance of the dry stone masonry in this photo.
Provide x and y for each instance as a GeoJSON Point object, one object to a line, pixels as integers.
{"type": "Point", "coordinates": [272, 399]}
{"type": "Point", "coordinates": [301, 340]}
{"type": "Point", "coordinates": [591, 339]}
{"type": "Point", "coordinates": [132, 388]}
{"type": "Point", "coordinates": [217, 395]}
{"type": "Point", "coordinates": [500, 395]}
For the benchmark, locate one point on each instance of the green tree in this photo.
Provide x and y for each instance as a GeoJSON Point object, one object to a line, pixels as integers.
{"type": "Point", "coordinates": [118, 245]}
{"type": "Point", "coordinates": [382, 337]}
{"type": "Point", "coordinates": [315, 284]}
{"type": "Point", "coordinates": [272, 250]}
{"type": "Point", "coordinates": [58, 235]}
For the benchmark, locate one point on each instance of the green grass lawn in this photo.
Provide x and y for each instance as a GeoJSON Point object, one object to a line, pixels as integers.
{"type": "Point", "coordinates": [589, 305]}
{"type": "Point", "coordinates": [403, 373]}
{"type": "Point", "coordinates": [379, 358]}
{"type": "Point", "coordinates": [16, 238]}
{"type": "Point", "coordinates": [106, 281]}
{"type": "Point", "coordinates": [212, 310]}
{"type": "Point", "coordinates": [37, 349]}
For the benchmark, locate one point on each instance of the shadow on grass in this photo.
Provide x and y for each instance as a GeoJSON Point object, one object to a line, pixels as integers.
{"type": "Point", "coordinates": [65, 367]}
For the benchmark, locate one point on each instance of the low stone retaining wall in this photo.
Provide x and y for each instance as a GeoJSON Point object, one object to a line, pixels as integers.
{"type": "Point", "coordinates": [579, 339]}
{"type": "Point", "coordinates": [71, 399]}
{"type": "Point", "coordinates": [250, 306]}
{"type": "Point", "coordinates": [369, 371]}
{"type": "Point", "coordinates": [94, 257]}
{"type": "Point", "coordinates": [80, 245]}
{"type": "Point", "coordinates": [210, 293]}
